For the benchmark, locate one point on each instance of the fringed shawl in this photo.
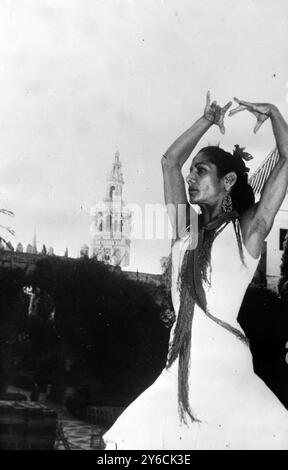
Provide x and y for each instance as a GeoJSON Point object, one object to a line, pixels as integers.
{"type": "Point", "coordinates": [194, 270]}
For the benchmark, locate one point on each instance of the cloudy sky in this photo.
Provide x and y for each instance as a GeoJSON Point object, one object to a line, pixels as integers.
{"type": "Point", "coordinates": [79, 78]}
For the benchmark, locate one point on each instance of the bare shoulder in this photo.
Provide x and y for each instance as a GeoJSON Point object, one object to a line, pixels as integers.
{"type": "Point", "coordinates": [254, 231]}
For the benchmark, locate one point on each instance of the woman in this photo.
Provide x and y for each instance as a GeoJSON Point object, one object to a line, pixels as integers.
{"type": "Point", "coordinates": [208, 396]}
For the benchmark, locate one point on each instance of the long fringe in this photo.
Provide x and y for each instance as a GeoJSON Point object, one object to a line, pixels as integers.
{"type": "Point", "coordinates": [183, 326]}
{"type": "Point", "coordinates": [181, 345]}
{"type": "Point", "coordinates": [183, 383]}
{"type": "Point", "coordinates": [237, 229]}
{"type": "Point", "coordinates": [190, 294]}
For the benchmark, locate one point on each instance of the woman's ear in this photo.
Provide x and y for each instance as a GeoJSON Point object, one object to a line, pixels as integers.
{"type": "Point", "coordinates": [229, 180]}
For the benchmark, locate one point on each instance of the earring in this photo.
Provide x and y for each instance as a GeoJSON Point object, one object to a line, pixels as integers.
{"type": "Point", "coordinates": [227, 205]}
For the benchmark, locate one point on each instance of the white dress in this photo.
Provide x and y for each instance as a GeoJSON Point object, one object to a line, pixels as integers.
{"type": "Point", "coordinates": [235, 409]}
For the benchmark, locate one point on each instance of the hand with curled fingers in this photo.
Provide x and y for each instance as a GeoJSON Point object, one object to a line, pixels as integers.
{"type": "Point", "coordinates": [215, 113]}
{"type": "Point", "coordinates": [262, 111]}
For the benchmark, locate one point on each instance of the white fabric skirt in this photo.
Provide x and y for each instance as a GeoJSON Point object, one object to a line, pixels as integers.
{"type": "Point", "coordinates": [235, 409]}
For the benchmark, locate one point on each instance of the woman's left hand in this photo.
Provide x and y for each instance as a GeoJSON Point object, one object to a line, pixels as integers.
{"type": "Point", "coordinates": [262, 111]}
{"type": "Point", "coordinates": [215, 113]}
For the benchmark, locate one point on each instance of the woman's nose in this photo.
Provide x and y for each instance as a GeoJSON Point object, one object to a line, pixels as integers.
{"type": "Point", "coordinates": [190, 178]}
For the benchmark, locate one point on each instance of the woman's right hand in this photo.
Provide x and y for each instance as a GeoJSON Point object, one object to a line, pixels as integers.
{"type": "Point", "coordinates": [214, 113]}
{"type": "Point", "coordinates": [262, 111]}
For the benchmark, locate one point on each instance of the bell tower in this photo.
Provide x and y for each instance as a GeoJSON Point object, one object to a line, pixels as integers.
{"type": "Point", "coordinates": [115, 182]}
{"type": "Point", "coordinates": [111, 226]}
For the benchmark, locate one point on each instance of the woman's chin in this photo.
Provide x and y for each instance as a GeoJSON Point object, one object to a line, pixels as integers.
{"type": "Point", "coordinates": [193, 199]}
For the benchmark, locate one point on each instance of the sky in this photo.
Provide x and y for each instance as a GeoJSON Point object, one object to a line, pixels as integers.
{"type": "Point", "coordinates": [81, 78]}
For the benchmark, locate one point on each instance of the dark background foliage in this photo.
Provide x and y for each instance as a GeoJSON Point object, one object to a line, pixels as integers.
{"type": "Point", "coordinates": [263, 316]}
{"type": "Point", "coordinates": [108, 327]}
{"type": "Point", "coordinates": [85, 325]}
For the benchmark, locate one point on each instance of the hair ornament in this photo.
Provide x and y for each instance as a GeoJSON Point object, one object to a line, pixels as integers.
{"type": "Point", "coordinates": [238, 152]}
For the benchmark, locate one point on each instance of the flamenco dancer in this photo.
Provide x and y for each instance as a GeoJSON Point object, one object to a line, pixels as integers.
{"type": "Point", "coordinates": [208, 396]}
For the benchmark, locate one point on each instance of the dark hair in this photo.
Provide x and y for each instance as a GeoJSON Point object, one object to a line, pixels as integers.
{"type": "Point", "coordinates": [241, 193]}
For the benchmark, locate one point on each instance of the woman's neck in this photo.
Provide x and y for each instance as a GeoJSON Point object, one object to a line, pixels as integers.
{"type": "Point", "coordinates": [210, 213]}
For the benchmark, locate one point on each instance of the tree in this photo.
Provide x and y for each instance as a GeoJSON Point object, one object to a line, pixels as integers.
{"type": "Point", "coordinates": [12, 319]}
{"type": "Point", "coordinates": [264, 320]}
{"type": "Point", "coordinates": [107, 326]}
{"type": "Point", "coordinates": [39, 357]}
{"type": "Point", "coordinates": [164, 260]}
{"type": "Point", "coordinates": [44, 250]}
{"type": "Point", "coordinates": [7, 229]}
{"type": "Point", "coordinates": [7, 332]}
{"type": "Point", "coordinates": [283, 282]}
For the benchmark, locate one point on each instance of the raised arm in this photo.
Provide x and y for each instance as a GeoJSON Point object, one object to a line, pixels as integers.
{"type": "Point", "coordinates": [179, 209]}
{"type": "Point", "coordinates": [258, 221]}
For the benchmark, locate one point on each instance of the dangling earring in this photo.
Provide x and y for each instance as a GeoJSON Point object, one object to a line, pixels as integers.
{"type": "Point", "coordinates": [227, 205]}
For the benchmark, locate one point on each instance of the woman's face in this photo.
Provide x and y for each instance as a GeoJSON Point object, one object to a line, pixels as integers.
{"type": "Point", "coordinates": [205, 187]}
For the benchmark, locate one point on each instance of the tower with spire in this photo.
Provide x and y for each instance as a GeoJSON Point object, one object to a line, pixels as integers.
{"type": "Point", "coordinates": [111, 226]}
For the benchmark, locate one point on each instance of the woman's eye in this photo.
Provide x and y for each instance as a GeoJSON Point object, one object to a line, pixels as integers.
{"type": "Point", "coordinates": [201, 170]}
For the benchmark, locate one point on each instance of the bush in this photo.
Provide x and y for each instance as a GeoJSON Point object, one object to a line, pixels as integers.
{"type": "Point", "coordinates": [106, 325]}
{"type": "Point", "coordinates": [263, 317]}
